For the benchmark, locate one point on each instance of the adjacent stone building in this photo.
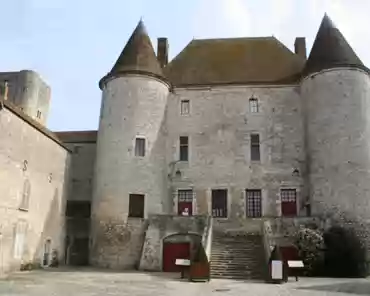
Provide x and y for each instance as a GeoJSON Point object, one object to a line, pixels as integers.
{"type": "Point", "coordinates": [228, 136]}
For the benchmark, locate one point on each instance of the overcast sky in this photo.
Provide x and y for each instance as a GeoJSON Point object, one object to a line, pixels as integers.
{"type": "Point", "coordinates": [73, 43]}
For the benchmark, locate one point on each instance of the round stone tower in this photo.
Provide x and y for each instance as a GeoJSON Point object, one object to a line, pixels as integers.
{"type": "Point", "coordinates": [336, 95]}
{"type": "Point", "coordinates": [130, 179]}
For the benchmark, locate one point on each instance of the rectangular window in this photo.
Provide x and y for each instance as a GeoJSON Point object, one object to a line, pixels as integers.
{"type": "Point", "coordinates": [136, 206]}
{"type": "Point", "coordinates": [25, 196]}
{"type": "Point", "coordinates": [38, 114]}
{"type": "Point", "coordinates": [288, 202]}
{"type": "Point", "coordinates": [255, 147]}
{"type": "Point", "coordinates": [185, 202]}
{"type": "Point", "coordinates": [20, 239]}
{"type": "Point", "coordinates": [76, 149]}
{"type": "Point", "coordinates": [140, 147]}
{"type": "Point", "coordinates": [219, 203]}
{"type": "Point", "coordinates": [253, 105]}
{"type": "Point", "coordinates": [185, 107]}
{"type": "Point", "coordinates": [254, 203]}
{"type": "Point", "coordinates": [184, 148]}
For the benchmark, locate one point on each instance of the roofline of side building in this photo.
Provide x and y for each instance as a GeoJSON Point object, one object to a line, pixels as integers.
{"type": "Point", "coordinates": [42, 129]}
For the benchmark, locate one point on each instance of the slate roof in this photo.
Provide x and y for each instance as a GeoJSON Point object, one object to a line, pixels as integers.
{"type": "Point", "coordinates": [234, 61]}
{"type": "Point", "coordinates": [138, 56]}
{"type": "Point", "coordinates": [330, 50]}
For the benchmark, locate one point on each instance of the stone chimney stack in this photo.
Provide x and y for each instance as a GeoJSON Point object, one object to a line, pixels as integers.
{"type": "Point", "coordinates": [162, 51]}
{"type": "Point", "coordinates": [300, 47]}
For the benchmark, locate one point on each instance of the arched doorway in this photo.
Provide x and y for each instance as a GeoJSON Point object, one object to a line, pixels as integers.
{"type": "Point", "coordinates": [179, 246]}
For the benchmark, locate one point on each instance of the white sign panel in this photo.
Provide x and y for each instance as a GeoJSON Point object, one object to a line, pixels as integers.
{"type": "Point", "coordinates": [295, 264]}
{"type": "Point", "coordinates": [277, 270]}
{"type": "Point", "coordinates": [183, 262]}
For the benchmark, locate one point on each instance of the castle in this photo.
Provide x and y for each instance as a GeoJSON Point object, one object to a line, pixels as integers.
{"type": "Point", "coordinates": [233, 135]}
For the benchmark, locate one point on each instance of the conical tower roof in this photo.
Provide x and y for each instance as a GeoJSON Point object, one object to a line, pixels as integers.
{"type": "Point", "coordinates": [138, 56]}
{"type": "Point", "coordinates": [330, 50]}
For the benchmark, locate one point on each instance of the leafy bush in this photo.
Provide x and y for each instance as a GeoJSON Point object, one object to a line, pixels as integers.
{"type": "Point", "coordinates": [345, 253]}
{"type": "Point", "coordinates": [310, 247]}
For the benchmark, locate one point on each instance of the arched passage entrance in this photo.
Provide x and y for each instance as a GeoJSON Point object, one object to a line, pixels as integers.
{"type": "Point", "coordinates": [178, 246]}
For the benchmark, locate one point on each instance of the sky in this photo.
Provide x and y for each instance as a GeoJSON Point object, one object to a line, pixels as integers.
{"type": "Point", "coordinates": [74, 43]}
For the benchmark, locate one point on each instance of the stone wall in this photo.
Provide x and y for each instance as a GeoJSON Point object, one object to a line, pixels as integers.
{"type": "Point", "coordinates": [219, 127]}
{"type": "Point", "coordinates": [117, 245]}
{"type": "Point", "coordinates": [163, 226]}
{"type": "Point", "coordinates": [34, 168]}
{"type": "Point", "coordinates": [338, 133]}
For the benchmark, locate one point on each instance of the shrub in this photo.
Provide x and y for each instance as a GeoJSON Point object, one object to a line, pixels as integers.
{"type": "Point", "coordinates": [345, 253]}
{"type": "Point", "coordinates": [310, 248]}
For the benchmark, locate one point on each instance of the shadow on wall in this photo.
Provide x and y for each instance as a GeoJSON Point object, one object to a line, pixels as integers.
{"type": "Point", "coordinates": [51, 236]}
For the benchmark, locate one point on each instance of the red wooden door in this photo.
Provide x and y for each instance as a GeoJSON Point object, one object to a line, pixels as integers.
{"type": "Point", "coordinates": [173, 251]}
{"type": "Point", "coordinates": [288, 202]}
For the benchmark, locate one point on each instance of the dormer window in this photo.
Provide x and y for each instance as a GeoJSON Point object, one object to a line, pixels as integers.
{"type": "Point", "coordinates": [253, 105]}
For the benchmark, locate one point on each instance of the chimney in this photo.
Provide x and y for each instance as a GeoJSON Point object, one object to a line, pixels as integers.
{"type": "Point", "coordinates": [300, 47]}
{"type": "Point", "coordinates": [162, 51]}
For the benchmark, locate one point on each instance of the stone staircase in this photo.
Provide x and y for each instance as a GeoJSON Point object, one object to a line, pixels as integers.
{"type": "Point", "coordinates": [237, 256]}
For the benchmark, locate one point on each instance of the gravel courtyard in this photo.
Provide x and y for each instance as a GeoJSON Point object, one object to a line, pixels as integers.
{"type": "Point", "coordinates": [89, 282]}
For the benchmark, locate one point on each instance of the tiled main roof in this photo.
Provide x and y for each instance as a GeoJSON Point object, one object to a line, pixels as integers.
{"type": "Point", "coordinates": [236, 60]}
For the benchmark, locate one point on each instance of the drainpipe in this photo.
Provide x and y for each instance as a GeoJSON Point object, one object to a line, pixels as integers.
{"type": "Point", "coordinates": [1, 252]}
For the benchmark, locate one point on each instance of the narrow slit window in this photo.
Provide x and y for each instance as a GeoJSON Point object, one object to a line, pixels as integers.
{"type": "Point", "coordinates": [140, 147]}
{"type": "Point", "coordinates": [185, 107]}
{"type": "Point", "coordinates": [255, 147]}
{"type": "Point", "coordinates": [184, 148]}
{"type": "Point", "coordinates": [253, 105]}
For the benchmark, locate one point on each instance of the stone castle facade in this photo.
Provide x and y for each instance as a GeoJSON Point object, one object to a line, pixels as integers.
{"type": "Point", "coordinates": [228, 136]}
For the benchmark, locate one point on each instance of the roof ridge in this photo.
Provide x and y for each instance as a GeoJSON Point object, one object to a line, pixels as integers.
{"type": "Point", "coordinates": [233, 38]}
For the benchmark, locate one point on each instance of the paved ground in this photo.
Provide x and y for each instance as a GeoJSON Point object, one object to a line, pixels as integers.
{"type": "Point", "coordinates": [87, 282]}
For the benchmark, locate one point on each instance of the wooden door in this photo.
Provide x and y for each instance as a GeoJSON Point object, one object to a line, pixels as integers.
{"type": "Point", "coordinates": [173, 251]}
{"type": "Point", "coordinates": [288, 202]}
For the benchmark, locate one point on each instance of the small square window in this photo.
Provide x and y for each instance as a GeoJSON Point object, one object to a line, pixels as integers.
{"type": "Point", "coordinates": [140, 147]}
{"type": "Point", "coordinates": [136, 205]}
{"type": "Point", "coordinates": [185, 107]}
{"type": "Point", "coordinates": [253, 105]}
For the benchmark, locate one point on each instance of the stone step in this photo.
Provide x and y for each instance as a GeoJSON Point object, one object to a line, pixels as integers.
{"type": "Point", "coordinates": [236, 256]}
{"type": "Point", "coordinates": [235, 263]}
{"type": "Point", "coordinates": [235, 251]}
{"type": "Point", "coordinates": [237, 277]}
{"type": "Point", "coordinates": [231, 270]}
{"type": "Point", "coordinates": [237, 274]}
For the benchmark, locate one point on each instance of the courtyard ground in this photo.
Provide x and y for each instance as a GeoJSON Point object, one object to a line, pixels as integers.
{"type": "Point", "coordinates": [89, 282]}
